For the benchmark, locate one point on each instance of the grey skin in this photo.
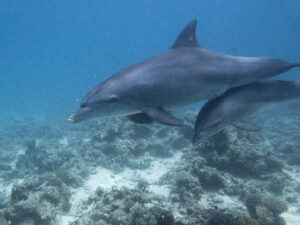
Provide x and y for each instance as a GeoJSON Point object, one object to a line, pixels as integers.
{"type": "Point", "coordinates": [185, 74]}
{"type": "Point", "coordinates": [238, 103]}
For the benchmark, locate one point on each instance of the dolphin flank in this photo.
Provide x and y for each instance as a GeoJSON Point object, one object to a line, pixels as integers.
{"type": "Point", "coordinates": [185, 74]}
{"type": "Point", "coordinates": [238, 103]}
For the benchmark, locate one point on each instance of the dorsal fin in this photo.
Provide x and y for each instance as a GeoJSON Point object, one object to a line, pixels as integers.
{"type": "Point", "coordinates": [187, 37]}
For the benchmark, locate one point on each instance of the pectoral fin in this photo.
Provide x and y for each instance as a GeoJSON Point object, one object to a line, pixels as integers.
{"type": "Point", "coordinates": [140, 118]}
{"type": "Point", "coordinates": [241, 124]}
{"type": "Point", "coordinates": [162, 116]}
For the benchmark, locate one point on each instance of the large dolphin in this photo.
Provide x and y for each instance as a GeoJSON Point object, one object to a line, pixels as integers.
{"type": "Point", "coordinates": [185, 74]}
{"type": "Point", "coordinates": [237, 103]}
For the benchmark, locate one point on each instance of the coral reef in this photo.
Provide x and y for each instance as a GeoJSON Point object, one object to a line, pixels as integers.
{"type": "Point", "coordinates": [38, 199]}
{"type": "Point", "coordinates": [117, 172]}
{"type": "Point", "coordinates": [136, 206]}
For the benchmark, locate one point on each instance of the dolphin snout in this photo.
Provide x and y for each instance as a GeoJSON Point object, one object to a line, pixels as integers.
{"type": "Point", "coordinates": [71, 119]}
{"type": "Point", "coordinates": [81, 115]}
{"type": "Point", "coordinates": [76, 117]}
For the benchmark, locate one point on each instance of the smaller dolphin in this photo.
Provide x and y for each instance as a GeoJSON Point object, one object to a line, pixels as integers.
{"type": "Point", "coordinates": [238, 103]}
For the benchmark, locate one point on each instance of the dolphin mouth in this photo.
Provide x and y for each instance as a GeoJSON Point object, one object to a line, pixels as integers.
{"type": "Point", "coordinates": [80, 115]}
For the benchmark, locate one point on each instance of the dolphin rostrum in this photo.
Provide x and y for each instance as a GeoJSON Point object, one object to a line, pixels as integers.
{"type": "Point", "coordinates": [185, 74]}
{"type": "Point", "coordinates": [237, 103]}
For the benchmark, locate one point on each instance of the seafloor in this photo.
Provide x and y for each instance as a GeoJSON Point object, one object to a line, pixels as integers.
{"type": "Point", "coordinates": [114, 172]}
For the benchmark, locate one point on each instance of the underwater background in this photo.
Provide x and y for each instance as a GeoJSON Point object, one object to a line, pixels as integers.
{"type": "Point", "coordinates": [52, 172]}
{"type": "Point", "coordinates": [53, 52]}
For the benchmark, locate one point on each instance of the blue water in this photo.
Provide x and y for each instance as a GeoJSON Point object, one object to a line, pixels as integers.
{"type": "Point", "coordinates": [53, 52]}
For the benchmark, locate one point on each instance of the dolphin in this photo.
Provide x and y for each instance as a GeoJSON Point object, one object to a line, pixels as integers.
{"type": "Point", "coordinates": [238, 103]}
{"type": "Point", "coordinates": [185, 74]}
